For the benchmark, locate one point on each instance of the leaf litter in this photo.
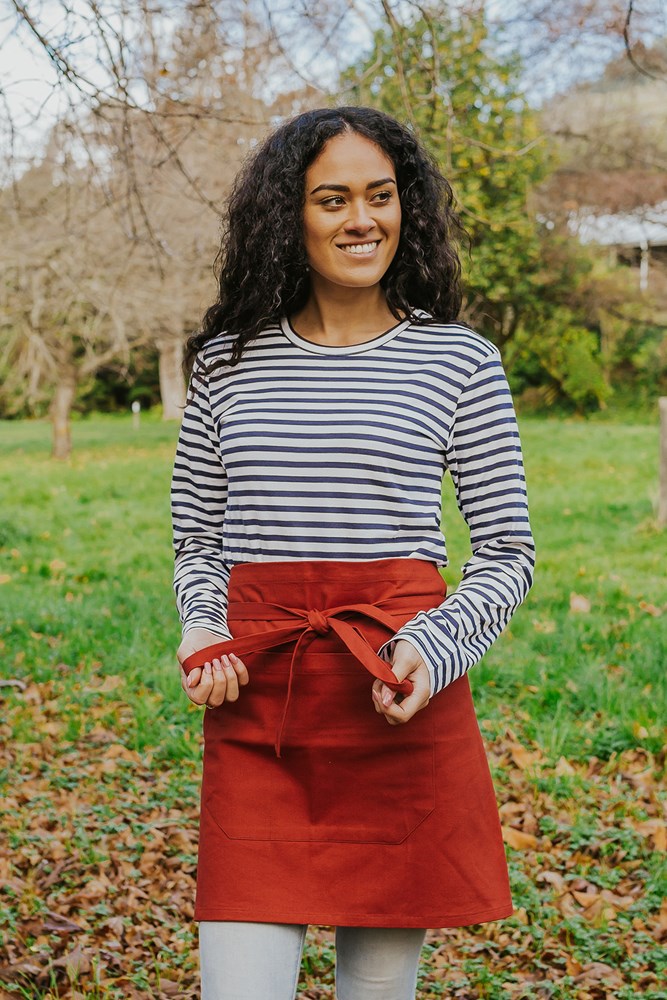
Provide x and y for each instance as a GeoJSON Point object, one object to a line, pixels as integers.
{"type": "Point", "coordinates": [97, 871]}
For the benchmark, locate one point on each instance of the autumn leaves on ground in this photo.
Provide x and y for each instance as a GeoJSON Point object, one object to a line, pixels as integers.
{"type": "Point", "coordinates": [101, 751]}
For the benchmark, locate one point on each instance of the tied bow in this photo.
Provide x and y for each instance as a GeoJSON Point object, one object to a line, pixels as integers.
{"type": "Point", "coordinates": [306, 626]}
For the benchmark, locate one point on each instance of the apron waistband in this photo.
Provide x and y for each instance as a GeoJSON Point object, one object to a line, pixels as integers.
{"type": "Point", "coordinates": [307, 624]}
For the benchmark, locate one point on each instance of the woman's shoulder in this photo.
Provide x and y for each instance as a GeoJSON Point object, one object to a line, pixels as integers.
{"type": "Point", "coordinates": [453, 336]}
{"type": "Point", "coordinates": [217, 351]}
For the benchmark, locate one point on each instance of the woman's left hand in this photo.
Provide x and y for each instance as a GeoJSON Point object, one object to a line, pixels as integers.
{"type": "Point", "coordinates": [406, 662]}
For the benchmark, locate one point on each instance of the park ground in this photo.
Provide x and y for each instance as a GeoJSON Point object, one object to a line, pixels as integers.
{"type": "Point", "coordinates": [101, 751]}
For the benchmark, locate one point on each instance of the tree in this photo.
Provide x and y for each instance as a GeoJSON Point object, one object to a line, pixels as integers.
{"type": "Point", "coordinates": [442, 74]}
{"type": "Point", "coordinates": [62, 311]}
{"type": "Point", "coordinates": [450, 76]}
{"type": "Point", "coordinates": [115, 229]}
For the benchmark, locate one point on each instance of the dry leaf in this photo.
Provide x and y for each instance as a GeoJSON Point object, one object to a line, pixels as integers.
{"type": "Point", "coordinates": [599, 972]}
{"type": "Point", "coordinates": [522, 757]}
{"type": "Point", "coordinates": [563, 767]}
{"type": "Point", "coordinates": [656, 830]}
{"type": "Point", "coordinates": [579, 604]}
{"type": "Point", "coordinates": [110, 683]}
{"type": "Point", "coordinates": [75, 964]}
{"type": "Point", "coordinates": [545, 625]}
{"type": "Point", "coordinates": [552, 878]}
{"type": "Point", "coordinates": [57, 923]}
{"type": "Point", "coordinates": [518, 840]}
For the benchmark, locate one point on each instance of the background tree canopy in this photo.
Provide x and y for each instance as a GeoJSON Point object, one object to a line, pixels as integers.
{"type": "Point", "coordinates": [109, 230]}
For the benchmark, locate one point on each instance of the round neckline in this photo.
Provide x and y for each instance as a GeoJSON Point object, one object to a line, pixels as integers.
{"type": "Point", "coordinates": [365, 345]}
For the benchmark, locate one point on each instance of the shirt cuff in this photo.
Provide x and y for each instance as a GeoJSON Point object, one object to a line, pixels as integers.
{"type": "Point", "coordinates": [211, 626]}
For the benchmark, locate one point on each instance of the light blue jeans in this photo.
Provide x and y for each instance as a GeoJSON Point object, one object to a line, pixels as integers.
{"type": "Point", "coordinates": [249, 961]}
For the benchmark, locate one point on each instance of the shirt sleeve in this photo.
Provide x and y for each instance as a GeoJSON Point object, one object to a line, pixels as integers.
{"type": "Point", "coordinates": [484, 457]}
{"type": "Point", "coordinates": [198, 504]}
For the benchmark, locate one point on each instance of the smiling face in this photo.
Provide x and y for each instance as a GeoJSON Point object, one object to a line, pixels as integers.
{"type": "Point", "coordinates": [352, 214]}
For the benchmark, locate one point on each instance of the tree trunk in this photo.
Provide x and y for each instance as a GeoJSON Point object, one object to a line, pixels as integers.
{"type": "Point", "coordinates": [172, 386]}
{"type": "Point", "coordinates": [61, 408]}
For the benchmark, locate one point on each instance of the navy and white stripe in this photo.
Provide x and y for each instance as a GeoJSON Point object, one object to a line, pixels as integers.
{"type": "Point", "coordinates": [303, 451]}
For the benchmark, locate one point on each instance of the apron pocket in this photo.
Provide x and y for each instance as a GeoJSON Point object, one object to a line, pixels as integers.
{"type": "Point", "coordinates": [345, 774]}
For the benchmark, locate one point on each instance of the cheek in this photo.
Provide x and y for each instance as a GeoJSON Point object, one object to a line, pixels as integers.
{"type": "Point", "coordinates": [314, 236]}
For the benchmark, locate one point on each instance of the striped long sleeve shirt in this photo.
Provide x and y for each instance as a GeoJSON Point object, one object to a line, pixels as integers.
{"type": "Point", "coordinates": [306, 451]}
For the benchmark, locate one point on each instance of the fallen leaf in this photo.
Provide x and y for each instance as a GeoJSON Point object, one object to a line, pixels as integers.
{"type": "Point", "coordinates": [656, 830]}
{"type": "Point", "coordinates": [110, 683]}
{"type": "Point", "coordinates": [552, 878]}
{"type": "Point", "coordinates": [75, 964]}
{"type": "Point", "coordinates": [57, 923]}
{"type": "Point", "coordinates": [563, 767]}
{"type": "Point", "coordinates": [518, 840]}
{"type": "Point", "coordinates": [579, 604]}
{"type": "Point", "coordinates": [545, 625]}
{"type": "Point", "coordinates": [170, 988]}
{"type": "Point", "coordinates": [523, 757]}
{"type": "Point", "coordinates": [599, 972]}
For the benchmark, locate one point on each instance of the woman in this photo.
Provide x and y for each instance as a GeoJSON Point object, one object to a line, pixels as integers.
{"type": "Point", "coordinates": [345, 781]}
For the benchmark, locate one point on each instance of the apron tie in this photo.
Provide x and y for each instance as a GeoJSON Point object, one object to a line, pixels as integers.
{"type": "Point", "coordinates": [307, 625]}
{"type": "Point", "coordinates": [318, 622]}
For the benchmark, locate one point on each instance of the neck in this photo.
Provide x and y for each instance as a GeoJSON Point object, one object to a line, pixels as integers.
{"type": "Point", "coordinates": [339, 317]}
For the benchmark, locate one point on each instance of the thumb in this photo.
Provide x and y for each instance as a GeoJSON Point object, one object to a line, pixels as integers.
{"type": "Point", "coordinates": [405, 659]}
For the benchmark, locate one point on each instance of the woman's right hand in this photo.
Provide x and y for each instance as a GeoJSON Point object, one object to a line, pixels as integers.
{"type": "Point", "coordinates": [215, 682]}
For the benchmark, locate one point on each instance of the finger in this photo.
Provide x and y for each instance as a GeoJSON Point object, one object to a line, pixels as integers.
{"type": "Point", "coordinates": [193, 678]}
{"type": "Point", "coordinates": [377, 702]}
{"type": "Point", "coordinates": [219, 690]}
{"type": "Point", "coordinates": [383, 696]}
{"type": "Point", "coordinates": [190, 680]}
{"type": "Point", "coordinates": [387, 696]}
{"type": "Point", "coordinates": [201, 692]}
{"type": "Point", "coordinates": [240, 669]}
{"type": "Point", "coordinates": [232, 681]}
{"type": "Point", "coordinates": [400, 712]}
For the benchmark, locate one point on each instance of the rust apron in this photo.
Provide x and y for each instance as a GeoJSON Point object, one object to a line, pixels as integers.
{"type": "Point", "coordinates": [313, 808]}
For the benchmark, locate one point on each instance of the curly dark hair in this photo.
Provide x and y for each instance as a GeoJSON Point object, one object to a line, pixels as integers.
{"type": "Point", "coordinates": [262, 266]}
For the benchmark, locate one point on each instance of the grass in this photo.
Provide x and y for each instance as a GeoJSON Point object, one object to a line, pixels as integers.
{"type": "Point", "coordinates": [88, 621]}
{"type": "Point", "coordinates": [86, 547]}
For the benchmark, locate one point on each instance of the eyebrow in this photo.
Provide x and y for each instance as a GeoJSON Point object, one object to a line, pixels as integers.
{"type": "Point", "coordinates": [343, 187]}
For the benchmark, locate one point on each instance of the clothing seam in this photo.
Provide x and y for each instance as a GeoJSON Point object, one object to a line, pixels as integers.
{"type": "Point", "coordinates": [331, 922]}
{"type": "Point", "coordinates": [341, 350]}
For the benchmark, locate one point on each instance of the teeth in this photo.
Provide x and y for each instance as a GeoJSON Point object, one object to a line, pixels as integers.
{"type": "Point", "coordinates": [360, 247]}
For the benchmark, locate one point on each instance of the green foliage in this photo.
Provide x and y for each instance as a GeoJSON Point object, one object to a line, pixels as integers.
{"type": "Point", "coordinates": [563, 355]}
{"type": "Point", "coordinates": [523, 282]}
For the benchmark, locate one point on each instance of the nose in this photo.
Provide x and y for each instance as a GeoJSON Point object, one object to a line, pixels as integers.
{"type": "Point", "coordinates": [359, 219]}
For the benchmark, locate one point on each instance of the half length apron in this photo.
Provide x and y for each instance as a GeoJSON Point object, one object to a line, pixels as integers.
{"type": "Point", "coordinates": [313, 808]}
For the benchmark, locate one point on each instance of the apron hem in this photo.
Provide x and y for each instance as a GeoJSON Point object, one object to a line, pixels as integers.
{"type": "Point", "coordinates": [384, 920]}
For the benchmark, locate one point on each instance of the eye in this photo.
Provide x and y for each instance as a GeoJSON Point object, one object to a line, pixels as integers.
{"type": "Point", "coordinates": [334, 201]}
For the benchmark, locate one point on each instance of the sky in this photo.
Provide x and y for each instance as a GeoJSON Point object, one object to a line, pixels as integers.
{"type": "Point", "coordinates": [31, 97]}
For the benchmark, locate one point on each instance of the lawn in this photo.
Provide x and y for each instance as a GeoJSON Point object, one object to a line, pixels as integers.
{"type": "Point", "coordinates": [101, 752]}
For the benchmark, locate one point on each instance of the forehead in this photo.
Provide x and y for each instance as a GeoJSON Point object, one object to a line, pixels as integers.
{"type": "Point", "coordinates": [350, 157]}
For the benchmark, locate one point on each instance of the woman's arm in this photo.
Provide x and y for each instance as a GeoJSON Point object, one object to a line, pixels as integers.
{"type": "Point", "coordinates": [484, 457]}
{"type": "Point", "coordinates": [198, 503]}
